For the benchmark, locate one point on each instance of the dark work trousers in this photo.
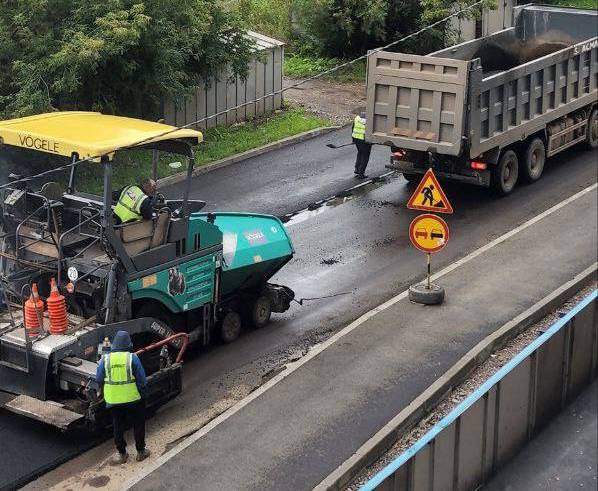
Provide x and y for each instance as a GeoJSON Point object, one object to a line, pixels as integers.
{"type": "Point", "coordinates": [124, 416]}
{"type": "Point", "coordinates": [363, 156]}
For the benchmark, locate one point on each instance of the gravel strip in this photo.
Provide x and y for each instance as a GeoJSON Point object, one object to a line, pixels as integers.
{"type": "Point", "coordinates": [332, 100]}
{"type": "Point", "coordinates": [478, 377]}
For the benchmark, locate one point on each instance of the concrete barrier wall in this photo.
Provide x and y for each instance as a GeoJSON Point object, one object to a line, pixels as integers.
{"type": "Point", "coordinates": [499, 418]}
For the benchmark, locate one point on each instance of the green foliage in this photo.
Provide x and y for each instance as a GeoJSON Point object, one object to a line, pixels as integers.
{"type": "Point", "coordinates": [342, 28]}
{"type": "Point", "coordinates": [297, 66]}
{"type": "Point", "coordinates": [582, 4]}
{"type": "Point", "coordinates": [316, 29]}
{"type": "Point", "coordinates": [270, 17]}
{"type": "Point", "coordinates": [115, 56]}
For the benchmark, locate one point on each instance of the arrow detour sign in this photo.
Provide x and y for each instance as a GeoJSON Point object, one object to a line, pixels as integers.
{"type": "Point", "coordinates": [429, 233]}
{"type": "Point", "coordinates": [429, 196]}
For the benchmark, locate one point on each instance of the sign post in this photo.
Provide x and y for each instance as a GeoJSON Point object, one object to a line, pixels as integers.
{"type": "Point", "coordinates": [429, 268]}
{"type": "Point", "coordinates": [429, 233]}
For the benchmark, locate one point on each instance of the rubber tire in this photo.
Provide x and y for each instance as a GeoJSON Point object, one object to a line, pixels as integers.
{"type": "Point", "coordinates": [412, 178]}
{"type": "Point", "coordinates": [420, 294]}
{"type": "Point", "coordinates": [507, 159]}
{"type": "Point", "coordinates": [230, 327]}
{"type": "Point", "coordinates": [261, 311]}
{"type": "Point", "coordinates": [592, 130]}
{"type": "Point", "coordinates": [532, 171]}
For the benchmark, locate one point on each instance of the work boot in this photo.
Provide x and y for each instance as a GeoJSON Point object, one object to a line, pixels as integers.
{"type": "Point", "coordinates": [120, 458]}
{"type": "Point", "coordinates": [144, 454]}
{"type": "Point", "coordinates": [360, 176]}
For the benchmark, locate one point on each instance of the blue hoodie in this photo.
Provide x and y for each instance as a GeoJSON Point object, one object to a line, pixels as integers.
{"type": "Point", "coordinates": [122, 342]}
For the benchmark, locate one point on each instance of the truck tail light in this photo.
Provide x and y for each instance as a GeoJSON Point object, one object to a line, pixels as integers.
{"type": "Point", "coordinates": [478, 165]}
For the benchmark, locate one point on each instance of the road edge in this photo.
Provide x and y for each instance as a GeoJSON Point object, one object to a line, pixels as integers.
{"type": "Point", "coordinates": [376, 446]}
{"type": "Point", "coordinates": [254, 152]}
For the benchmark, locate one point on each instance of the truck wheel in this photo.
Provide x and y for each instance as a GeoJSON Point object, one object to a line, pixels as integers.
{"type": "Point", "coordinates": [261, 311]}
{"type": "Point", "coordinates": [230, 327]}
{"type": "Point", "coordinates": [505, 174]}
{"type": "Point", "coordinates": [592, 130]}
{"type": "Point", "coordinates": [535, 156]}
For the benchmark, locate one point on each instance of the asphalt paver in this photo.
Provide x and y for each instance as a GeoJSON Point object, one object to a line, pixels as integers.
{"type": "Point", "coordinates": [296, 433]}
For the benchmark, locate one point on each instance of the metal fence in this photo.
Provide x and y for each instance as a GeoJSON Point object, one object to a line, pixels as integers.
{"type": "Point", "coordinates": [223, 92]}
{"type": "Point", "coordinates": [491, 21]}
{"type": "Point", "coordinates": [498, 419]}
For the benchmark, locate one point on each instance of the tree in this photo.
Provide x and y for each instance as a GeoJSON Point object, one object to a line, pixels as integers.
{"type": "Point", "coordinates": [116, 56]}
{"type": "Point", "coordinates": [345, 28]}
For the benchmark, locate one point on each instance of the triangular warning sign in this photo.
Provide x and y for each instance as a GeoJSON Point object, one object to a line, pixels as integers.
{"type": "Point", "coordinates": [429, 196]}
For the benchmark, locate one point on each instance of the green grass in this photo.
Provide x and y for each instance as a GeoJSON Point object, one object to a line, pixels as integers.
{"type": "Point", "coordinates": [133, 165]}
{"type": "Point", "coordinates": [296, 66]}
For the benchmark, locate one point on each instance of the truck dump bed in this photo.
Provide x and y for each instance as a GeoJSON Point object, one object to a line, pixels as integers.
{"type": "Point", "coordinates": [489, 92]}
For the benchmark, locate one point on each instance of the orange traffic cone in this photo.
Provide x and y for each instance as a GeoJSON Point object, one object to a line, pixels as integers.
{"type": "Point", "coordinates": [57, 310]}
{"type": "Point", "coordinates": [34, 312]}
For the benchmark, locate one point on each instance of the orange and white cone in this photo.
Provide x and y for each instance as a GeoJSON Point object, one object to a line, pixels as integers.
{"type": "Point", "coordinates": [57, 310]}
{"type": "Point", "coordinates": [34, 312]}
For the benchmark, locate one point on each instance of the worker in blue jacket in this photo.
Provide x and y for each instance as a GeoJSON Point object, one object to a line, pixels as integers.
{"type": "Point", "coordinates": [121, 377]}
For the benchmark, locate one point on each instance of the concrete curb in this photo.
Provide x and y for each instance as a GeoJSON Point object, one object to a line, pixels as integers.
{"type": "Point", "coordinates": [376, 446]}
{"type": "Point", "coordinates": [255, 152]}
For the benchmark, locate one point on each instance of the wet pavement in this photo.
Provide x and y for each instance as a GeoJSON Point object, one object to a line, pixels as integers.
{"type": "Point", "coordinates": [350, 243]}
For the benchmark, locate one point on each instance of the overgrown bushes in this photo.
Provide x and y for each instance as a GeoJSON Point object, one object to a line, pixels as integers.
{"type": "Point", "coordinates": [115, 55]}
{"type": "Point", "coordinates": [317, 29]}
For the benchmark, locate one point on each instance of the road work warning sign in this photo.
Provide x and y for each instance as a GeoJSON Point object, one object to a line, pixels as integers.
{"type": "Point", "coordinates": [429, 233]}
{"type": "Point", "coordinates": [429, 196]}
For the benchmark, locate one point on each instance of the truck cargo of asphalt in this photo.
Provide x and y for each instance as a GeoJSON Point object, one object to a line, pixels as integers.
{"type": "Point", "coordinates": [357, 243]}
{"type": "Point", "coordinates": [295, 430]}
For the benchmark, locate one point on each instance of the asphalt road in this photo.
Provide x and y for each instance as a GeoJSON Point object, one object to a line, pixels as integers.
{"type": "Point", "coordinates": [356, 245]}
{"type": "Point", "coordinates": [285, 180]}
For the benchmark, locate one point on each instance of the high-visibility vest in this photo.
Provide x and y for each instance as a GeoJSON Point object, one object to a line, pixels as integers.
{"type": "Point", "coordinates": [359, 128]}
{"type": "Point", "coordinates": [128, 208]}
{"type": "Point", "coordinates": [119, 381]}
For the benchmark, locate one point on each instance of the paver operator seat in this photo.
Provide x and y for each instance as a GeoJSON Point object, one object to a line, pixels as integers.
{"type": "Point", "coordinates": [143, 235]}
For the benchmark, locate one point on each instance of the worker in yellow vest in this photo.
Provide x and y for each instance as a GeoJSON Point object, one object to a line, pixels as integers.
{"type": "Point", "coordinates": [121, 377]}
{"type": "Point", "coordinates": [363, 148]}
{"type": "Point", "coordinates": [136, 202]}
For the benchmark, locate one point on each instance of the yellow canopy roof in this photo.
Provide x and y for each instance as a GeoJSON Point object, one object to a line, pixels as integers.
{"type": "Point", "coordinates": [87, 134]}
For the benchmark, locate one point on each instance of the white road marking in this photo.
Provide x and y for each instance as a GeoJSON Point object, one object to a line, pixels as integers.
{"type": "Point", "coordinates": [292, 367]}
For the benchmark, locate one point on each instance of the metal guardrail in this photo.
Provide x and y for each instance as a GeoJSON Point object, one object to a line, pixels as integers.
{"type": "Point", "coordinates": [486, 430]}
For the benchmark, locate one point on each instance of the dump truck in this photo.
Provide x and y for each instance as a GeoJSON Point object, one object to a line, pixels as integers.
{"type": "Point", "coordinates": [182, 277]}
{"type": "Point", "coordinates": [490, 111]}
